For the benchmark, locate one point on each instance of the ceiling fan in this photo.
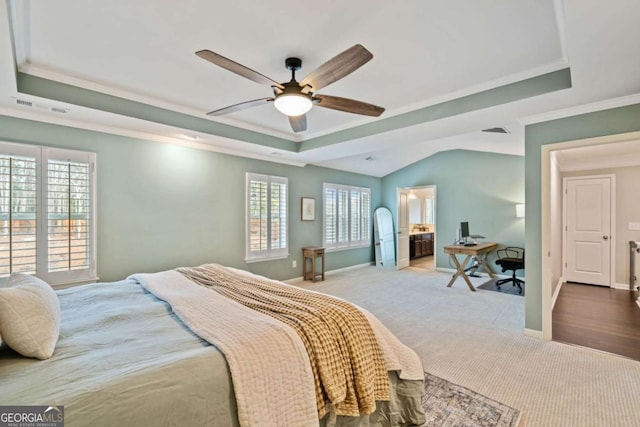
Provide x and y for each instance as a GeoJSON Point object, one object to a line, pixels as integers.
{"type": "Point", "coordinates": [294, 99]}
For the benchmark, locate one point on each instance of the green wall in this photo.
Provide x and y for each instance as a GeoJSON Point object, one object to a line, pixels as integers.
{"type": "Point", "coordinates": [601, 123]}
{"type": "Point", "coordinates": [161, 205]}
{"type": "Point", "coordinates": [481, 188]}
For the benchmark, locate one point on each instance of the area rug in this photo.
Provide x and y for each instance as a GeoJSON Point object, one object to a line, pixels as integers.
{"type": "Point", "coordinates": [448, 404]}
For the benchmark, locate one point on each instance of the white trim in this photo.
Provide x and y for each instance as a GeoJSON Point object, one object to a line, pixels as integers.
{"type": "Point", "coordinates": [582, 109]}
{"type": "Point", "coordinates": [345, 248]}
{"type": "Point", "coordinates": [533, 333]}
{"type": "Point", "coordinates": [300, 279]}
{"type": "Point", "coordinates": [560, 23]}
{"type": "Point", "coordinates": [19, 16]}
{"type": "Point", "coordinates": [557, 65]}
{"type": "Point", "coordinates": [251, 260]}
{"type": "Point", "coordinates": [115, 130]}
{"type": "Point", "coordinates": [554, 298]}
{"type": "Point", "coordinates": [622, 286]}
{"type": "Point", "coordinates": [59, 76]}
{"type": "Point", "coordinates": [545, 213]}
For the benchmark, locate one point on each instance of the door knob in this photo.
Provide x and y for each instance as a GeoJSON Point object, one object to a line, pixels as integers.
{"type": "Point", "coordinates": [605, 237]}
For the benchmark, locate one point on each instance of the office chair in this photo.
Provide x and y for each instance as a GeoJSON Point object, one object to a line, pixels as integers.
{"type": "Point", "coordinates": [511, 258]}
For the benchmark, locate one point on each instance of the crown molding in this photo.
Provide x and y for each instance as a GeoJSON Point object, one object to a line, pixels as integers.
{"type": "Point", "coordinates": [578, 110]}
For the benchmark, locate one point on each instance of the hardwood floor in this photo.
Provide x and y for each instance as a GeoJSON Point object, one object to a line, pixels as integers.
{"type": "Point", "coordinates": [426, 262]}
{"type": "Point", "coordinates": [598, 317]}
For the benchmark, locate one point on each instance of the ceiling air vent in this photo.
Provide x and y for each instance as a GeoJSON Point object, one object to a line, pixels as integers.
{"type": "Point", "coordinates": [26, 103]}
{"type": "Point", "coordinates": [496, 130]}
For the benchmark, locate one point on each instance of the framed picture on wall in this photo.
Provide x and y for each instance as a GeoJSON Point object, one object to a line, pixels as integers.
{"type": "Point", "coordinates": [308, 209]}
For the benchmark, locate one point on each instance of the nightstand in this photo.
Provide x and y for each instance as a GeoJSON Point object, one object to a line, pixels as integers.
{"type": "Point", "coordinates": [312, 253]}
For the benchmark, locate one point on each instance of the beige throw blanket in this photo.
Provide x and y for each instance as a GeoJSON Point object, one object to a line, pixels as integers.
{"type": "Point", "coordinates": [349, 368]}
{"type": "Point", "coordinates": [270, 368]}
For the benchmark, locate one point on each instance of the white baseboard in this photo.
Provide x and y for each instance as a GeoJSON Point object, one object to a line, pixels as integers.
{"type": "Point", "coordinates": [556, 292]}
{"type": "Point", "coordinates": [623, 286]}
{"type": "Point", "coordinates": [533, 333]}
{"type": "Point", "coordinates": [299, 279]}
{"type": "Point", "coordinates": [351, 267]}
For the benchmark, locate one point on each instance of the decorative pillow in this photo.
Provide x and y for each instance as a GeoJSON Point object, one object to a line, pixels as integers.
{"type": "Point", "coordinates": [29, 316]}
{"type": "Point", "coordinates": [3, 284]}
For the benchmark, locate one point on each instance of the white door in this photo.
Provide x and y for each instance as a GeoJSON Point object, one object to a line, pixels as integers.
{"type": "Point", "coordinates": [403, 229]}
{"type": "Point", "coordinates": [384, 238]}
{"type": "Point", "coordinates": [588, 230]}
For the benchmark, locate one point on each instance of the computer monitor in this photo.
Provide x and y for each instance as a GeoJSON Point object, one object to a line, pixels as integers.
{"type": "Point", "coordinates": [464, 230]}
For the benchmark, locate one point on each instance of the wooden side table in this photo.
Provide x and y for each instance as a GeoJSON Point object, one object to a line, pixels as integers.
{"type": "Point", "coordinates": [312, 253]}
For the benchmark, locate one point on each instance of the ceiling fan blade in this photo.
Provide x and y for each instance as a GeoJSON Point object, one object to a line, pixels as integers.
{"type": "Point", "coordinates": [298, 123]}
{"type": "Point", "coordinates": [238, 107]}
{"type": "Point", "coordinates": [348, 105]}
{"type": "Point", "coordinates": [337, 67]}
{"type": "Point", "coordinates": [234, 67]}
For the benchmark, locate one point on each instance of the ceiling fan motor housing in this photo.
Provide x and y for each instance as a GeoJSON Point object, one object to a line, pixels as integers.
{"type": "Point", "coordinates": [293, 64]}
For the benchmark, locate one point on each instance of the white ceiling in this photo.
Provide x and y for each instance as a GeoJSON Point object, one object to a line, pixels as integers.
{"type": "Point", "coordinates": [425, 52]}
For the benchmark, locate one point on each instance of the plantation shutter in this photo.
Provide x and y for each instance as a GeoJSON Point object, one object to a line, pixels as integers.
{"type": "Point", "coordinates": [47, 225]}
{"type": "Point", "coordinates": [330, 203]}
{"type": "Point", "coordinates": [347, 216]}
{"type": "Point", "coordinates": [18, 201]}
{"type": "Point", "coordinates": [68, 215]}
{"type": "Point", "coordinates": [267, 208]}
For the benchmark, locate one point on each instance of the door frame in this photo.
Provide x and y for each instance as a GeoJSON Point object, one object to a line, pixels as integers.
{"type": "Point", "coordinates": [434, 187]}
{"type": "Point", "coordinates": [548, 169]}
{"type": "Point", "coordinates": [612, 222]}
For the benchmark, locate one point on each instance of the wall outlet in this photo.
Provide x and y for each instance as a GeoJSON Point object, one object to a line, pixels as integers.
{"type": "Point", "coordinates": [634, 226]}
{"type": "Point", "coordinates": [294, 263]}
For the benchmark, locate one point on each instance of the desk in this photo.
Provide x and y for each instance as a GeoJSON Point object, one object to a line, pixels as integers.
{"type": "Point", "coordinates": [480, 251]}
{"type": "Point", "coordinates": [312, 252]}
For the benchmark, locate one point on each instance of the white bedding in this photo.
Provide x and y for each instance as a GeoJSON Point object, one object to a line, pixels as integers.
{"type": "Point", "coordinates": [269, 365]}
{"type": "Point", "coordinates": [271, 374]}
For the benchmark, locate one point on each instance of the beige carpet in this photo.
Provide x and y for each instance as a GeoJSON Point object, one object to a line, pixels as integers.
{"type": "Point", "coordinates": [476, 340]}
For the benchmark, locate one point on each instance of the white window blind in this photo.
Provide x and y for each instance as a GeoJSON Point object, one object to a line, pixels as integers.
{"type": "Point", "coordinates": [18, 200]}
{"type": "Point", "coordinates": [347, 216]}
{"type": "Point", "coordinates": [267, 207]}
{"type": "Point", "coordinates": [68, 215]}
{"type": "Point", "coordinates": [47, 213]}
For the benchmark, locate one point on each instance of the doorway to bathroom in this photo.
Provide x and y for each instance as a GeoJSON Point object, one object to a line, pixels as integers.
{"type": "Point", "coordinates": [421, 220]}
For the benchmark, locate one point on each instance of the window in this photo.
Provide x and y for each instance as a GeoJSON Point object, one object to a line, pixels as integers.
{"type": "Point", "coordinates": [347, 216]}
{"type": "Point", "coordinates": [47, 225]}
{"type": "Point", "coordinates": [267, 232]}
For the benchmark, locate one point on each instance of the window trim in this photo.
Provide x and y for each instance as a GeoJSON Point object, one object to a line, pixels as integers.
{"type": "Point", "coordinates": [268, 254]}
{"type": "Point", "coordinates": [349, 244]}
{"type": "Point", "coordinates": [42, 155]}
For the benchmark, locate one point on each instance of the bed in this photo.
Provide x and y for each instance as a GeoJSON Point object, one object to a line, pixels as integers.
{"type": "Point", "coordinates": [125, 356]}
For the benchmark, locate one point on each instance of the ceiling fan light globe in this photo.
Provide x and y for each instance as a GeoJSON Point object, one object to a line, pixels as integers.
{"type": "Point", "coordinates": [293, 104]}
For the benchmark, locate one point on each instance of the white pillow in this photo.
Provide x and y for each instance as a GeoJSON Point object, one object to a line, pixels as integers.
{"type": "Point", "coordinates": [29, 316]}
{"type": "Point", "coordinates": [3, 284]}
